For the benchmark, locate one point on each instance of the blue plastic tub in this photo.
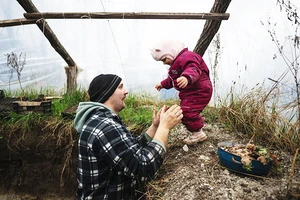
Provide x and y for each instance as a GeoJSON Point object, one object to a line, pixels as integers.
{"type": "Point", "coordinates": [233, 162]}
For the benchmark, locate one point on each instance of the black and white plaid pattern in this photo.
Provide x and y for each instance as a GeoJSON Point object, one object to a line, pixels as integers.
{"type": "Point", "coordinates": [112, 164]}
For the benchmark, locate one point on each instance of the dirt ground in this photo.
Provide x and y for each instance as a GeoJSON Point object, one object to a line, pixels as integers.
{"type": "Point", "coordinates": [195, 172]}
{"type": "Point", "coordinates": [189, 172]}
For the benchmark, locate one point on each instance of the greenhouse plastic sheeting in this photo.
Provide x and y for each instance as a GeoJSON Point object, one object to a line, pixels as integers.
{"type": "Point", "coordinates": [97, 46]}
{"type": "Point", "coordinates": [122, 46]}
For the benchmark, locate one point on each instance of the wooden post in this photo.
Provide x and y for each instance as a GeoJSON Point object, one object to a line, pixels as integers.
{"type": "Point", "coordinates": [71, 73]}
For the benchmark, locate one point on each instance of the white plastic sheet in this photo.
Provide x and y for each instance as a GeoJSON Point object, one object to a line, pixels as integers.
{"type": "Point", "coordinates": [121, 46]}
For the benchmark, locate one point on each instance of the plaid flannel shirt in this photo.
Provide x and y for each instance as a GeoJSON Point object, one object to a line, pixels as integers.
{"type": "Point", "coordinates": [113, 164]}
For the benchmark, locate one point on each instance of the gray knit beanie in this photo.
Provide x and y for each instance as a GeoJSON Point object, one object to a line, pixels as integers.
{"type": "Point", "coordinates": [103, 86]}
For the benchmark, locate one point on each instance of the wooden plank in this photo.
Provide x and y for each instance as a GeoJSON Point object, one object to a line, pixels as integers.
{"type": "Point", "coordinates": [126, 15]}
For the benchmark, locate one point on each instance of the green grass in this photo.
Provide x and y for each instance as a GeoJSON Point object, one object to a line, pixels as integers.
{"type": "Point", "coordinates": [251, 114]}
{"type": "Point", "coordinates": [30, 93]}
{"type": "Point", "coordinates": [68, 100]}
{"type": "Point", "coordinates": [60, 102]}
{"type": "Point", "coordinates": [23, 123]}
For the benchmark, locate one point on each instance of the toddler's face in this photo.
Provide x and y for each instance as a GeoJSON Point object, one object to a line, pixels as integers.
{"type": "Point", "coordinates": [167, 61]}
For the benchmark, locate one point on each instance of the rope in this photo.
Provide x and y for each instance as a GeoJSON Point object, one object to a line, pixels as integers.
{"type": "Point", "coordinates": [88, 16]}
{"type": "Point", "coordinates": [39, 20]}
{"type": "Point", "coordinates": [44, 22]}
{"type": "Point", "coordinates": [119, 54]}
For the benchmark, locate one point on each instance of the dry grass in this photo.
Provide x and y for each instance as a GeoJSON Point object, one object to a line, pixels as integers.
{"type": "Point", "coordinates": [254, 115]}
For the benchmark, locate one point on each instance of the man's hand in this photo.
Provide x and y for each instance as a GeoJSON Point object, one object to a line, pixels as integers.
{"type": "Point", "coordinates": [156, 117]}
{"type": "Point", "coordinates": [155, 121]}
{"type": "Point", "coordinates": [182, 82]}
{"type": "Point", "coordinates": [170, 117]}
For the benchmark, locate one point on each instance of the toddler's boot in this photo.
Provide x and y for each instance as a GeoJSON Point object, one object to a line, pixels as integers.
{"type": "Point", "coordinates": [198, 136]}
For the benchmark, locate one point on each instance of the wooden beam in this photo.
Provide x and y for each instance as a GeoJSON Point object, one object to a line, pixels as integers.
{"type": "Point", "coordinates": [126, 15]}
{"type": "Point", "coordinates": [47, 31]}
{"type": "Point", "coordinates": [55, 43]}
{"type": "Point", "coordinates": [16, 22]}
{"type": "Point", "coordinates": [211, 27]}
{"type": "Point", "coordinates": [31, 18]}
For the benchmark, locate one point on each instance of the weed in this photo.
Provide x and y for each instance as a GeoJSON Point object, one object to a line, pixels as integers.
{"type": "Point", "coordinates": [16, 63]}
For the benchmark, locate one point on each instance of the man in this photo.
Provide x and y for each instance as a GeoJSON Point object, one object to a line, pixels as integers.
{"type": "Point", "coordinates": [112, 163]}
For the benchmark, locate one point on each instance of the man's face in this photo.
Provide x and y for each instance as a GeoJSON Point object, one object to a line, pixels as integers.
{"type": "Point", "coordinates": [117, 99]}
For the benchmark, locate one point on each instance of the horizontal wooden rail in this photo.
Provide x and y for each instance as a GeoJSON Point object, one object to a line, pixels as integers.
{"type": "Point", "coordinates": [16, 22]}
{"type": "Point", "coordinates": [31, 18]}
{"type": "Point", "coordinates": [125, 15]}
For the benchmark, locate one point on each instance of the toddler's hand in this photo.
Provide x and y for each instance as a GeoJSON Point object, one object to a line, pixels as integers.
{"type": "Point", "coordinates": [182, 82]}
{"type": "Point", "coordinates": [158, 87]}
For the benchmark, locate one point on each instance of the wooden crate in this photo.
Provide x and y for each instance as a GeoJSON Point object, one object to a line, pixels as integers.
{"type": "Point", "coordinates": [27, 107]}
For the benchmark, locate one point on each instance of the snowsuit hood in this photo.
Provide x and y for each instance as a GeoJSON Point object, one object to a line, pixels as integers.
{"type": "Point", "coordinates": [167, 49]}
{"type": "Point", "coordinates": [83, 113]}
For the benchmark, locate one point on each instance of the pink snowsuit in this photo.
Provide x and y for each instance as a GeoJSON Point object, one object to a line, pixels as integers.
{"type": "Point", "coordinates": [197, 94]}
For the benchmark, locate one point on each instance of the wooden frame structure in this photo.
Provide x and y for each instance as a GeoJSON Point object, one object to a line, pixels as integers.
{"type": "Point", "coordinates": [33, 16]}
